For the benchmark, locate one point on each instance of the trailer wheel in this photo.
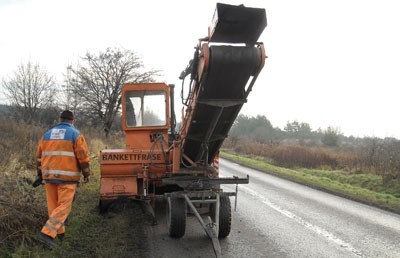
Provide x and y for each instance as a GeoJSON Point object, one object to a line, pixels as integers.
{"type": "Point", "coordinates": [176, 217]}
{"type": "Point", "coordinates": [225, 216]}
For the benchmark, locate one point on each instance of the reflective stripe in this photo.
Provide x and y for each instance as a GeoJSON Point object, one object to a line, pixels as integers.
{"type": "Point", "coordinates": [56, 221]}
{"type": "Point", "coordinates": [39, 167]}
{"type": "Point", "coordinates": [86, 170]}
{"type": "Point", "coordinates": [61, 172]}
{"type": "Point", "coordinates": [51, 227]}
{"type": "Point", "coordinates": [58, 153]}
{"type": "Point", "coordinates": [39, 160]}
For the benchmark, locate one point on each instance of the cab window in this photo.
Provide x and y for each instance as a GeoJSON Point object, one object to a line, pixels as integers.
{"type": "Point", "coordinates": [145, 108]}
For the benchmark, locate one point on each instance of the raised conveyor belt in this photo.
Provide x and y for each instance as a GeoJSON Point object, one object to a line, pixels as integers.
{"type": "Point", "coordinates": [222, 93]}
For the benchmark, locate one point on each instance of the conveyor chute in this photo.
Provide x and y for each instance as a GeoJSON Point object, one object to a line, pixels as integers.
{"type": "Point", "coordinates": [222, 77]}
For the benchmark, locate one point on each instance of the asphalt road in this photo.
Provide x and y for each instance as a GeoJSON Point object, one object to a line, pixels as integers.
{"type": "Point", "coordinates": [279, 218]}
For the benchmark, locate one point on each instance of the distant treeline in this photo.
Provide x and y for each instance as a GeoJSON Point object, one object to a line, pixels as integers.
{"type": "Point", "coordinates": [297, 145]}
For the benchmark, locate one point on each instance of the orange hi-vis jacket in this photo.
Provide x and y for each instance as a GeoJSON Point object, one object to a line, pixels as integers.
{"type": "Point", "coordinates": [62, 154]}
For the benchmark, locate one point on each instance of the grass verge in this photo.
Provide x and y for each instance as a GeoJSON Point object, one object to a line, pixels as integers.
{"type": "Point", "coordinates": [363, 188]}
{"type": "Point", "coordinates": [91, 234]}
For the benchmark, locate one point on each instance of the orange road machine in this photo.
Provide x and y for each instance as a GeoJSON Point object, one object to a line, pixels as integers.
{"type": "Point", "coordinates": [157, 159]}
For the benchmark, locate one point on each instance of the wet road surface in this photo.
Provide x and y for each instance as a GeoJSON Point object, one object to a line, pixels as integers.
{"type": "Point", "coordinates": [279, 218]}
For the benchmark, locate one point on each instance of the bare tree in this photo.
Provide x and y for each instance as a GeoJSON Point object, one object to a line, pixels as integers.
{"type": "Point", "coordinates": [98, 82]}
{"type": "Point", "coordinates": [30, 90]}
{"type": "Point", "coordinates": [68, 98]}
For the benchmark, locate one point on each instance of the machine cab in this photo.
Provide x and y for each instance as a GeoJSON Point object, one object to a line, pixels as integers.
{"type": "Point", "coordinates": [145, 114]}
{"type": "Point", "coordinates": [125, 172]}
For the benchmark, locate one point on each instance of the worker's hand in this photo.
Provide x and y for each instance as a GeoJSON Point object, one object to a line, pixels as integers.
{"type": "Point", "coordinates": [86, 177]}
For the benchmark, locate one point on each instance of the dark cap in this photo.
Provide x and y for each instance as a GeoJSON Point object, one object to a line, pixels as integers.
{"type": "Point", "coordinates": [68, 115]}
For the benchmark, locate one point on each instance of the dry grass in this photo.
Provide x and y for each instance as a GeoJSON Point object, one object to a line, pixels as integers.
{"type": "Point", "coordinates": [290, 155]}
{"type": "Point", "coordinates": [23, 208]}
{"type": "Point", "coordinates": [296, 155]}
{"type": "Point", "coordinates": [300, 156]}
{"type": "Point", "coordinates": [365, 188]}
{"type": "Point", "coordinates": [18, 142]}
{"type": "Point", "coordinates": [376, 156]}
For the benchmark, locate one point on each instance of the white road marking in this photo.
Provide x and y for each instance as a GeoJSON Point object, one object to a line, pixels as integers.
{"type": "Point", "coordinates": [298, 219]}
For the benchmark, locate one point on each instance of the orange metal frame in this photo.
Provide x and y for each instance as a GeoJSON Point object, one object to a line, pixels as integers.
{"type": "Point", "coordinates": [127, 172]}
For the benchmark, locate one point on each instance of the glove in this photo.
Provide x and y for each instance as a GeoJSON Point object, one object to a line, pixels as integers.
{"type": "Point", "coordinates": [86, 177]}
{"type": "Point", "coordinates": [38, 181]}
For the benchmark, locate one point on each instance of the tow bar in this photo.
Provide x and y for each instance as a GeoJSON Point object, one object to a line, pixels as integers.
{"type": "Point", "coordinates": [197, 191]}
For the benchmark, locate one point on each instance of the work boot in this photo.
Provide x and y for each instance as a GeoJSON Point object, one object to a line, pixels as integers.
{"type": "Point", "coordinates": [47, 241]}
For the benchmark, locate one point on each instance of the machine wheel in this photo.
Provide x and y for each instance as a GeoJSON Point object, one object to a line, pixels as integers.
{"type": "Point", "coordinates": [176, 217]}
{"type": "Point", "coordinates": [225, 216]}
{"type": "Point", "coordinates": [104, 205]}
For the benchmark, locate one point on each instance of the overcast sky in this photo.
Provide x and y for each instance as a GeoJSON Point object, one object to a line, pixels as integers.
{"type": "Point", "coordinates": [330, 63]}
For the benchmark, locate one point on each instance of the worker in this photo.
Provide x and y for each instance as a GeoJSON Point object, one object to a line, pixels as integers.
{"type": "Point", "coordinates": [62, 157]}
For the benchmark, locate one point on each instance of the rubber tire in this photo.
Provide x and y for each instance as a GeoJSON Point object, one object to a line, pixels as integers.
{"type": "Point", "coordinates": [176, 217]}
{"type": "Point", "coordinates": [104, 205]}
{"type": "Point", "coordinates": [225, 216]}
